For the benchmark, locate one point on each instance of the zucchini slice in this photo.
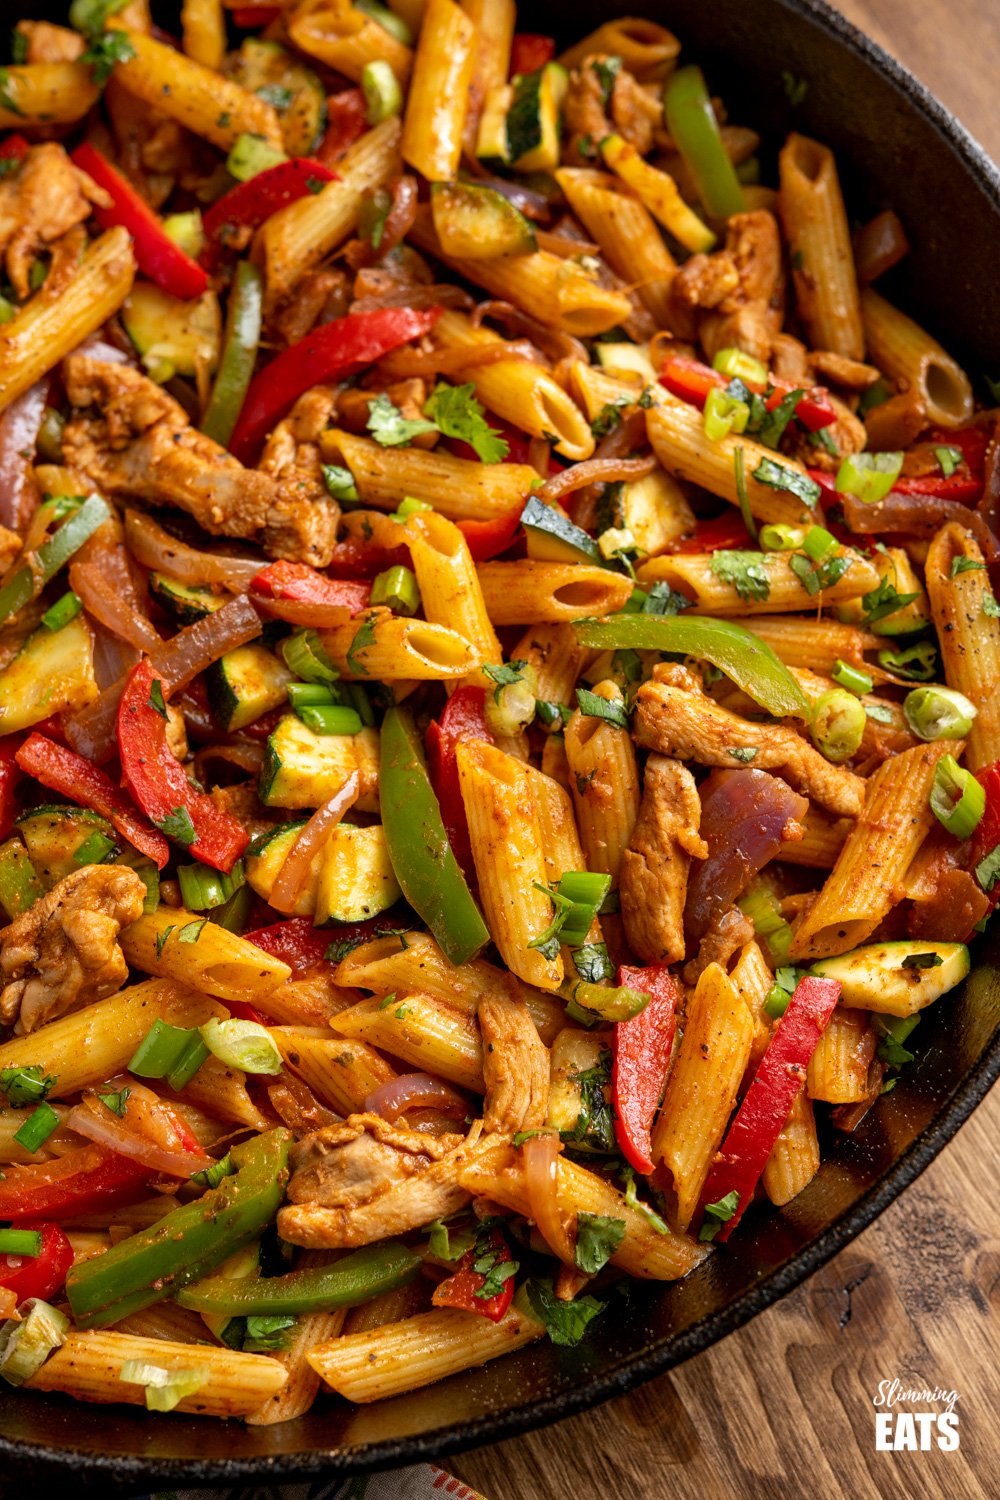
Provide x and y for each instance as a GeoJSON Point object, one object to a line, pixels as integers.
{"type": "Point", "coordinates": [552, 537]}
{"type": "Point", "coordinates": [491, 142]}
{"type": "Point", "coordinates": [173, 337]}
{"type": "Point", "coordinates": [303, 769]}
{"type": "Point", "coordinates": [246, 683]}
{"type": "Point", "coordinates": [533, 119]}
{"type": "Point", "coordinates": [185, 602]}
{"type": "Point", "coordinates": [896, 979]}
{"type": "Point", "coordinates": [20, 886]}
{"type": "Point", "coordinates": [478, 223]}
{"type": "Point", "coordinates": [356, 880]}
{"type": "Point", "coordinates": [269, 854]}
{"type": "Point", "coordinates": [53, 671]}
{"type": "Point", "coordinates": [293, 89]}
{"type": "Point", "coordinates": [53, 835]}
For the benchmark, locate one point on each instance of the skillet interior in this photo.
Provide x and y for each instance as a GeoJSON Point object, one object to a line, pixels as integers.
{"type": "Point", "coordinates": [895, 146]}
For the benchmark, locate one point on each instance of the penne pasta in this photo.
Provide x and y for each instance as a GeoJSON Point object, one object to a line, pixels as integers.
{"type": "Point", "coordinates": [381, 644]}
{"type": "Point", "coordinates": [604, 776]}
{"type": "Point", "coordinates": [794, 1160]}
{"type": "Point", "coordinates": [344, 37]}
{"type": "Point", "coordinates": [180, 945]}
{"type": "Point", "coordinates": [340, 1073]}
{"type": "Point", "coordinates": [436, 104]}
{"type": "Point", "coordinates": [46, 93]}
{"type": "Point", "coordinates": [458, 488]}
{"type": "Point", "coordinates": [777, 587]}
{"type": "Point", "coordinates": [449, 585]}
{"type": "Point", "coordinates": [539, 593]}
{"type": "Point", "coordinates": [203, 29]}
{"type": "Point", "coordinates": [815, 223]}
{"type": "Point", "coordinates": [494, 21]}
{"type": "Point", "coordinates": [627, 233]}
{"type": "Point", "coordinates": [838, 1069]}
{"type": "Point", "coordinates": [968, 634]}
{"type": "Point", "coordinates": [433, 1037]}
{"type": "Point", "coordinates": [907, 354]}
{"type": "Point", "coordinates": [647, 49]}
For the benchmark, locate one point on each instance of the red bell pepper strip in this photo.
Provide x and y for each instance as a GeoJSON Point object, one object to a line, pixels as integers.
{"type": "Point", "coordinates": [462, 1289]}
{"type": "Point", "coordinates": [67, 773]}
{"type": "Point", "coordinates": [965, 489]}
{"type": "Point", "coordinates": [79, 1182]}
{"type": "Point", "coordinates": [641, 1060]}
{"type": "Point", "coordinates": [156, 779]}
{"type": "Point", "coordinates": [463, 719]}
{"type": "Point", "coordinates": [769, 1099]}
{"type": "Point", "coordinates": [986, 836]}
{"type": "Point", "coordinates": [692, 381]}
{"type": "Point", "coordinates": [14, 148]}
{"type": "Point", "coordinates": [488, 538]}
{"type": "Point", "coordinates": [10, 775]}
{"type": "Point", "coordinates": [346, 122]}
{"type": "Point", "coordinates": [302, 946]}
{"type": "Point", "coordinates": [331, 352]}
{"type": "Point", "coordinates": [40, 1275]}
{"type": "Point", "coordinates": [294, 591]}
{"type": "Point", "coordinates": [355, 557]}
{"type": "Point", "coordinates": [249, 204]}
{"type": "Point", "coordinates": [722, 533]}
{"type": "Point", "coordinates": [529, 51]}
{"type": "Point", "coordinates": [158, 257]}
{"type": "Point", "coordinates": [248, 17]}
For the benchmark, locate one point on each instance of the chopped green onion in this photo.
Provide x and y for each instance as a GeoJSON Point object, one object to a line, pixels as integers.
{"type": "Point", "coordinates": [742, 493]}
{"type": "Point", "coordinates": [81, 522]}
{"type": "Point", "coordinates": [171, 1052]}
{"type": "Point", "coordinates": [409, 506]}
{"type": "Point", "coordinates": [724, 414]}
{"type": "Point", "coordinates": [234, 914]}
{"type": "Point", "coordinates": [850, 678]}
{"type": "Point", "coordinates": [818, 543]}
{"type": "Point", "coordinates": [164, 1388]}
{"type": "Point", "coordinates": [387, 19]}
{"type": "Point", "coordinates": [37, 1127]}
{"type": "Point", "coordinates": [304, 655]}
{"type": "Point", "coordinates": [781, 538]}
{"type": "Point", "coordinates": [25, 1346]}
{"type": "Point", "coordinates": [202, 888]}
{"type": "Point", "coordinates": [245, 1045]}
{"type": "Point", "coordinates": [918, 662]}
{"type": "Point", "coordinates": [383, 95]}
{"type": "Point", "coordinates": [957, 799]}
{"type": "Point", "coordinates": [397, 589]}
{"type": "Point", "coordinates": [150, 877]}
{"type": "Point", "coordinates": [309, 694]}
{"type": "Point", "coordinates": [936, 713]}
{"type": "Point", "coordinates": [869, 476]}
{"type": "Point", "coordinates": [586, 891]}
{"type": "Point", "coordinates": [760, 904]}
{"type": "Point", "coordinates": [949, 459]}
{"type": "Point", "coordinates": [776, 1002]}
{"type": "Point", "coordinates": [64, 610]}
{"type": "Point", "coordinates": [211, 1176]}
{"type": "Point", "coordinates": [250, 155]}
{"type": "Point", "coordinates": [736, 365]}
{"type": "Point", "coordinates": [20, 1242]}
{"type": "Point", "coordinates": [838, 725]}
{"type": "Point", "coordinates": [610, 1004]}
{"type": "Point", "coordinates": [330, 718]}
{"type": "Point", "coordinates": [340, 483]}
{"type": "Point", "coordinates": [94, 850]}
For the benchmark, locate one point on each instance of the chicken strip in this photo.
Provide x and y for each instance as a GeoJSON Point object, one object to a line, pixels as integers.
{"type": "Point", "coordinates": [131, 438]}
{"type": "Point", "coordinates": [63, 952]}
{"type": "Point", "coordinates": [678, 721]}
{"type": "Point", "coordinates": [366, 1180]}
{"type": "Point", "coordinates": [38, 205]}
{"type": "Point", "coordinates": [738, 292]}
{"type": "Point", "coordinates": [654, 869]}
{"type": "Point", "coordinates": [300, 523]}
{"type": "Point", "coordinates": [515, 1066]}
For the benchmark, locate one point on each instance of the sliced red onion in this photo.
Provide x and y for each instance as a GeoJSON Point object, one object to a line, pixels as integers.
{"type": "Point", "coordinates": [414, 1091]}
{"type": "Point", "coordinates": [920, 515]}
{"type": "Point", "coordinates": [744, 815]}
{"type": "Point", "coordinates": [103, 580]}
{"type": "Point", "coordinates": [540, 1157]}
{"type": "Point", "coordinates": [295, 868]}
{"type": "Point", "coordinates": [594, 470]}
{"type": "Point", "coordinates": [163, 553]}
{"type": "Point", "coordinates": [112, 1133]}
{"type": "Point", "coordinates": [19, 427]}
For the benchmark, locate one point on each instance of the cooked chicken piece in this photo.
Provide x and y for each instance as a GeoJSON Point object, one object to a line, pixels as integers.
{"type": "Point", "coordinates": [840, 369]}
{"type": "Point", "coordinates": [679, 721]}
{"type": "Point", "coordinates": [847, 435]}
{"type": "Point", "coordinates": [318, 297]}
{"type": "Point", "coordinates": [654, 869]}
{"type": "Point", "coordinates": [728, 932]}
{"type": "Point", "coordinates": [10, 546]}
{"type": "Point", "coordinates": [136, 440]}
{"type": "Point", "coordinates": [63, 952]}
{"type": "Point", "coordinates": [303, 521]}
{"type": "Point", "coordinates": [515, 1066]}
{"type": "Point", "coordinates": [790, 360]}
{"type": "Point", "coordinates": [48, 43]}
{"type": "Point", "coordinates": [602, 102]}
{"type": "Point", "coordinates": [735, 296]}
{"type": "Point", "coordinates": [38, 205]}
{"type": "Point", "coordinates": [366, 1179]}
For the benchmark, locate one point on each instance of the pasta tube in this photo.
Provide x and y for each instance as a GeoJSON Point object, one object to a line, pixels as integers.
{"type": "Point", "coordinates": [383, 645]}
{"type": "Point", "coordinates": [459, 488]}
{"type": "Point", "coordinates": [815, 223]}
{"type": "Point", "coordinates": [439, 89]}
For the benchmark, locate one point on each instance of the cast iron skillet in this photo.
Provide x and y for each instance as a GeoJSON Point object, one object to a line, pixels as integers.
{"type": "Point", "coordinates": [896, 146]}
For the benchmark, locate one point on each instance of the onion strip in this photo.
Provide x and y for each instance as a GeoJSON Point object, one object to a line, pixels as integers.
{"type": "Point", "coordinates": [163, 553]}
{"type": "Point", "coordinates": [414, 1091]}
{"type": "Point", "coordinates": [297, 863]}
{"type": "Point", "coordinates": [540, 1154]}
{"type": "Point", "coordinates": [591, 471]}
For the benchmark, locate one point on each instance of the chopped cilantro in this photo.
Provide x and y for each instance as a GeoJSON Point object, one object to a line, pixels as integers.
{"type": "Point", "coordinates": [988, 869]}
{"type": "Point", "coordinates": [594, 1126]}
{"type": "Point", "coordinates": [772, 429]}
{"type": "Point", "coordinates": [5, 97]}
{"type": "Point", "coordinates": [746, 571]}
{"type": "Point", "coordinates": [596, 707]}
{"type": "Point", "coordinates": [717, 1214]}
{"type": "Point", "coordinates": [276, 95]}
{"type": "Point", "coordinates": [780, 477]}
{"type": "Point", "coordinates": [178, 825]}
{"type": "Point", "coordinates": [156, 698]}
{"type": "Point", "coordinates": [457, 414]}
{"type": "Point", "coordinates": [965, 565]}
{"type": "Point", "coordinates": [116, 1102]}
{"type": "Point", "coordinates": [25, 1085]}
{"type": "Point", "coordinates": [104, 52]}
{"type": "Point", "coordinates": [592, 962]}
{"type": "Point", "coordinates": [795, 88]}
{"type": "Point", "coordinates": [635, 1202]}
{"type": "Point", "coordinates": [884, 601]}
{"type": "Point", "coordinates": [389, 427]}
{"type": "Point", "coordinates": [363, 638]}
{"type": "Point", "coordinates": [504, 675]}
{"type": "Point", "coordinates": [161, 939]}
{"type": "Point", "coordinates": [268, 1334]}
{"type": "Point", "coordinates": [745, 753]}
{"type": "Point", "coordinates": [597, 1239]}
{"type": "Point", "coordinates": [191, 931]}
{"type": "Point", "coordinates": [922, 961]}
{"type": "Point", "coordinates": [565, 1322]}
{"type": "Point", "coordinates": [609, 417]}
{"type": "Point", "coordinates": [606, 70]}
{"type": "Point", "coordinates": [817, 576]}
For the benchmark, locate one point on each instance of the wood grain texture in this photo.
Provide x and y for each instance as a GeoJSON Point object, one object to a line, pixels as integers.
{"type": "Point", "coordinates": [784, 1406]}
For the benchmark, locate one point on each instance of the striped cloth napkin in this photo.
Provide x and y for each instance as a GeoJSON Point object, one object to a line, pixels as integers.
{"type": "Point", "coordinates": [421, 1482]}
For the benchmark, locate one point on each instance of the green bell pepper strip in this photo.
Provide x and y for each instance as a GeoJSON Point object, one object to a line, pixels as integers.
{"type": "Point", "coordinates": [188, 1243]}
{"type": "Point", "coordinates": [27, 582]}
{"type": "Point", "coordinates": [239, 353]}
{"type": "Point", "coordinates": [353, 1279]}
{"type": "Point", "coordinates": [690, 118]}
{"type": "Point", "coordinates": [421, 856]}
{"type": "Point", "coordinates": [743, 656]}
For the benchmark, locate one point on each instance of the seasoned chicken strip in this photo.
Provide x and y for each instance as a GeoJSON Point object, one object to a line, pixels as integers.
{"type": "Point", "coordinates": [654, 869]}
{"type": "Point", "coordinates": [133, 439]}
{"type": "Point", "coordinates": [64, 950]}
{"type": "Point", "coordinates": [515, 1066]}
{"type": "Point", "coordinates": [737, 293]}
{"type": "Point", "coordinates": [300, 525]}
{"type": "Point", "coordinates": [38, 205]}
{"type": "Point", "coordinates": [366, 1180]}
{"type": "Point", "coordinates": [678, 721]}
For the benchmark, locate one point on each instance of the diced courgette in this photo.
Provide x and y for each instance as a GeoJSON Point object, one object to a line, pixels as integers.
{"type": "Point", "coordinates": [303, 769]}
{"type": "Point", "coordinates": [533, 119]}
{"type": "Point", "coordinates": [53, 835]}
{"type": "Point", "coordinates": [186, 602]}
{"type": "Point", "coordinates": [552, 537]}
{"type": "Point", "coordinates": [626, 358]}
{"type": "Point", "coordinates": [478, 223]}
{"type": "Point", "coordinates": [894, 565]}
{"type": "Point", "coordinates": [896, 979]}
{"type": "Point", "coordinates": [356, 879]}
{"type": "Point", "coordinates": [173, 337]}
{"type": "Point", "coordinates": [53, 671]}
{"type": "Point", "coordinates": [246, 683]}
{"type": "Point", "coordinates": [293, 89]}
{"type": "Point", "coordinates": [491, 142]}
{"type": "Point", "coordinates": [269, 854]}
{"type": "Point", "coordinates": [20, 886]}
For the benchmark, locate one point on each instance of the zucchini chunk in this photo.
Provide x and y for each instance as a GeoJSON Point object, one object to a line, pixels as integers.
{"type": "Point", "coordinates": [533, 119]}
{"type": "Point", "coordinates": [53, 671]}
{"type": "Point", "coordinates": [185, 602]}
{"type": "Point", "coordinates": [356, 880]}
{"type": "Point", "coordinates": [269, 853]}
{"type": "Point", "coordinates": [303, 769]}
{"type": "Point", "coordinates": [293, 89]}
{"type": "Point", "coordinates": [552, 537]}
{"type": "Point", "coordinates": [491, 142]}
{"type": "Point", "coordinates": [246, 683]}
{"type": "Point", "coordinates": [478, 223]}
{"type": "Point", "coordinates": [896, 979]}
{"type": "Point", "coordinates": [54, 834]}
{"type": "Point", "coordinates": [173, 337]}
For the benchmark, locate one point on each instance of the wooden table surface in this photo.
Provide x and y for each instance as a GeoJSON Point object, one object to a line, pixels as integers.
{"type": "Point", "coordinates": [784, 1406]}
